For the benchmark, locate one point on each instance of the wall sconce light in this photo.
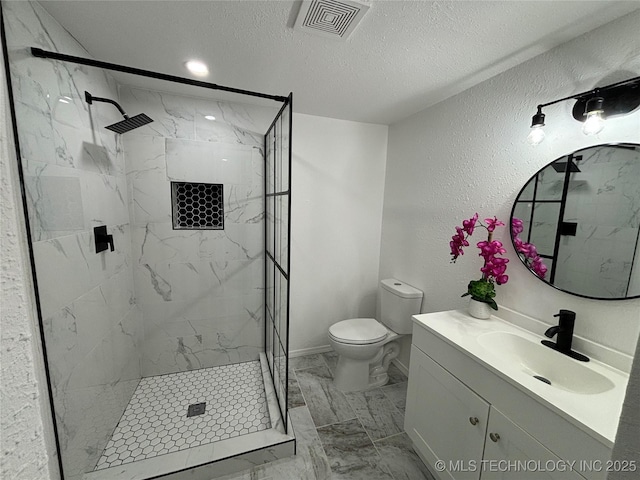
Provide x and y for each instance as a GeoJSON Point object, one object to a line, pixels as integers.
{"type": "Point", "coordinates": [536, 135]}
{"type": "Point", "coordinates": [593, 107]}
{"type": "Point", "coordinates": [594, 123]}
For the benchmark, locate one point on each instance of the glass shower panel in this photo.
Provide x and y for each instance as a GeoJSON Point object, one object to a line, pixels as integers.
{"type": "Point", "coordinates": [276, 369]}
{"type": "Point", "coordinates": [277, 193]}
{"type": "Point", "coordinates": [281, 382]}
{"type": "Point", "coordinates": [282, 177]}
{"type": "Point", "coordinates": [283, 335]}
{"type": "Point", "coordinates": [270, 153]}
{"type": "Point", "coordinates": [282, 299]}
{"type": "Point", "coordinates": [281, 223]}
{"type": "Point", "coordinates": [270, 224]}
{"type": "Point", "coordinates": [269, 309]}
{"type": "Point", "coordinates": [75, 180]}
{"type": "Point", "coordinates": [546, 218]}
{"type": "Point", "coordinates": [161, 300]}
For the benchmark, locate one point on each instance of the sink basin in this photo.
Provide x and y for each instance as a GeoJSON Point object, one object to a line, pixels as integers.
{"type": "Point", "coordinates": [545, 364]}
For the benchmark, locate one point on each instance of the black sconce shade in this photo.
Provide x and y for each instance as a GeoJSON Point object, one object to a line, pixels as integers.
{"type": "Point", "coordinates": [619, 100]}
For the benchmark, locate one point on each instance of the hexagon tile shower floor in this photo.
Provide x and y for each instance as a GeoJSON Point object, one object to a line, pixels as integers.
{"type": "Point", "coordinates": [155, 422]}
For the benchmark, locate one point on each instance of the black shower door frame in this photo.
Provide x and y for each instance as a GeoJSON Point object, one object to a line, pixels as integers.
{"type": "Point", "coordinates": [277, 234]}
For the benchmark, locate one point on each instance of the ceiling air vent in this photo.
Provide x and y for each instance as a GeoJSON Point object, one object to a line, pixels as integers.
{"type": "Point", "coordinates": [330, 18]}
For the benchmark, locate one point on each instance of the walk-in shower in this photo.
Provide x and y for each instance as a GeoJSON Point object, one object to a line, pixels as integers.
{"type": "Point", "coordinates": [160, 256]}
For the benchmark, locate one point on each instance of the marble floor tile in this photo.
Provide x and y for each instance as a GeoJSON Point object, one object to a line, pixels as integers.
{"type": "Point", "coordinates": [296, 399]}
{"type": "Point", "coordinates": [246, 475]}
{"type": "Point", "coordinates": [300, 363]}
{"type": "Point", "coordinates": [377, 413]}
{"type": "Point", "coordinates": [331, 359]}
{"type": "Point", "coordinates": [310, 461]}
{"type": "Point", "coordinates": [305, 429]}
{"type": "Point", "coordinates": [400, 459]}
{"type": "Point", "coordinates": [326, 403]}
{"type": "Point", "coordinates": [351, 453]}
{"type": "Point", "coordinates": [395, 375]}
{"type": "Point", "coordinates": [397, 393]}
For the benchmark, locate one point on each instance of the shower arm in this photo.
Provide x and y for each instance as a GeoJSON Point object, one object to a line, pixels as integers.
{"type": "Point", "coordinates": [90, 99]}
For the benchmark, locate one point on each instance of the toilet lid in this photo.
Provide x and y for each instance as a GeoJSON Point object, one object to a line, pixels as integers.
{"type": "Point", "coordinates": [358, 331]}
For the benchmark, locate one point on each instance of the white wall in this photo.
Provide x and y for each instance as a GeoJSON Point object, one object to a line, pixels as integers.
{"type": "Point", "coordinates": [27, 448]}
{"type": "Point", "coordinates": [337, 184]}
{"type": "Point", "coordinates": [468, 154]}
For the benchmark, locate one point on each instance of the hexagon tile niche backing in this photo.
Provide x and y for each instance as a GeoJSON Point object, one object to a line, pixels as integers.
{"type": "Point", "coordinates": [197, 206]}
{"type": "Point", "coordinates": [155, 421]}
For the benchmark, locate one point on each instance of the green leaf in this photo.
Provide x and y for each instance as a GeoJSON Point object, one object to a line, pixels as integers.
{"type": "Point", "coordinates": [483, 291]}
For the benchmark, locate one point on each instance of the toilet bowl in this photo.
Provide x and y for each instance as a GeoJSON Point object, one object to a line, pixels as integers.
{"type": "Point", "coordinates": [366, 346]}
{"type": "Point", "coordinates": [360, 344]}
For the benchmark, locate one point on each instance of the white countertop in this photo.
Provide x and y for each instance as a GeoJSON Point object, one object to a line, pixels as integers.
{"type": "Point", "coordinates": [597, 414]}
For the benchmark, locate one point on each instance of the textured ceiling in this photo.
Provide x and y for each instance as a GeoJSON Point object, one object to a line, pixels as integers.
{"type": "Point", "coordinates": [403, 57]}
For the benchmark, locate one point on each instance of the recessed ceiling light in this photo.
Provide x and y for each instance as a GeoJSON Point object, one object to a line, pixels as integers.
{"type": "Point", "coordinates": [210, 117]}
{"type": "Point", "coordinates": [225, 159]}
{"type": "Point", "coordinates": [197, 68]}
{"type": "Point", "coordinates": [64, 99]}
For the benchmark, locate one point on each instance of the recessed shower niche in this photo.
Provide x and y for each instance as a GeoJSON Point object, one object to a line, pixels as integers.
{"type": "Point", "coordinates": [197, 206]}
{"type": "Point", "coordinates": [175, 308]}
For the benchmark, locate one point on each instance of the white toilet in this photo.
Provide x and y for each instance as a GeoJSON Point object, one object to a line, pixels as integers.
{"type": "Point", "coordinates": [366, 346]}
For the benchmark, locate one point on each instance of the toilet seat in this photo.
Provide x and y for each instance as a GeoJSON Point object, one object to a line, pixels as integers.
{"type": "Point", "coordinates": [358, 331]}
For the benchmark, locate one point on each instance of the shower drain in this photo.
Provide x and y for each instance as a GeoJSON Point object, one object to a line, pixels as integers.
{"type": "Point", "coordinates": [196, 409]}
{"type": "Point", "coordinates": [542, 379]}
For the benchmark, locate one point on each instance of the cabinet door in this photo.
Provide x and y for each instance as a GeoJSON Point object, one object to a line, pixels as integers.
{"type": "Point", "coordinates": [445, 420]}
{"type": "Point", "coordinates": [512, 454]}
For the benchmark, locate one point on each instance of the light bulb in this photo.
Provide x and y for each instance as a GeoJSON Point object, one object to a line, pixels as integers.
{"type": "Point", "coordinates": [536, 135]}
{"type": "Point", "coordinates": [197, 68]}
{"type": "Point", "coordinates": [593, 124]}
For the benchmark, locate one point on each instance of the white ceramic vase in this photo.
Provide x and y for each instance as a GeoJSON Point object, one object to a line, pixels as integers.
{"type": "Point", "coordinates": [479, 309]}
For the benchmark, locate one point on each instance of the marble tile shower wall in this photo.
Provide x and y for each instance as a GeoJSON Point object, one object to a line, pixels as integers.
{"type": "Point", "coordinates": [604, 199]}
{"type": "Point", "coordinates": [75, 180]}
{"type": "Point", "coordinates": [200, 291]}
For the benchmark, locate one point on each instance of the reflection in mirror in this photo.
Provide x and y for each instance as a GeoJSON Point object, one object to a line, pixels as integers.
{"type": "Point", "coordinates": [576, 222]}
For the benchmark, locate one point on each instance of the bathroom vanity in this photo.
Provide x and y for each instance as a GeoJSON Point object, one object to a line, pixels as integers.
{"type": "Point", "coordinates": [487, 401]}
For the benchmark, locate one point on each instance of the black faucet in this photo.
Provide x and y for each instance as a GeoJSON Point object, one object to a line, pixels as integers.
{"type": "Point", "coordinates": [564, 330]}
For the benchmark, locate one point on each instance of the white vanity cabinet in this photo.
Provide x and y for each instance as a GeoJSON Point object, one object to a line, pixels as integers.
{"type": "Point", "coordinates": [469, 418]}
{"type": "Point", "coordinates": [510, 453]}
{"type": "Point", "coordinates": [446, 420]}
{"type": "Point", "coordinates": [450, 423]}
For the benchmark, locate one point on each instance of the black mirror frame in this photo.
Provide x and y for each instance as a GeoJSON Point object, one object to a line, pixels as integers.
{"type": "Point", "coordinates": [621, 144]}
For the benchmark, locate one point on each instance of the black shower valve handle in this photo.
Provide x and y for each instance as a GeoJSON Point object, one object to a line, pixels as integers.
{"type": "Point", "coordinates": [102, 239]}
{"type": "Point", "coordinates": [109, 240]}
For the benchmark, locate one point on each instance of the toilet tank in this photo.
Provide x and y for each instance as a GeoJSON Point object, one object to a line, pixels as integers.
{"type": "Point", "coordinates": [398, 301]}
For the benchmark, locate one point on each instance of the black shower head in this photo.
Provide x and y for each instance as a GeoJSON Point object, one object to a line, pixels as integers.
{"type": "Point", "coordinates": [126, 125]}
{"type": "Point", "coordinates": [129, 123]}
{"type": "Point", "coordinates": [561, 167]}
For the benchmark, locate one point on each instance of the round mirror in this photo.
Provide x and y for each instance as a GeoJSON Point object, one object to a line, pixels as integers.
{"type": "Point", "coordinates": [576, 223]}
